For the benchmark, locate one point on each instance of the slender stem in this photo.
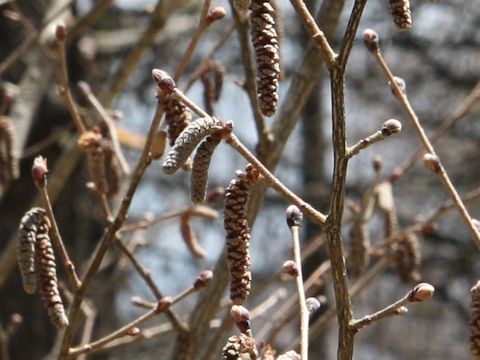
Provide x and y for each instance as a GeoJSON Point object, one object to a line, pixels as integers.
{"type": "Point", "coordinates": [304, 315]}
{"type": "Point", "coordinates": [65, 88]}
{"type": "Point", "coordinates": [57, 240]}
{"type": "Point", "coordinates": [201, 27]}
{"type": "Point", "coordinates": [4, 339]}
{"type": "Point", "coordinates": [110, 233]}
{"type": "Point", "coordinates": [364, 143]}
{"type": "Point", "coordinates": [401, 96]}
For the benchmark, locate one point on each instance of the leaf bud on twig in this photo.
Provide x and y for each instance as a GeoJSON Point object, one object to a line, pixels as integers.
{"type": "Point", "coordinates": [391, 126]}
{"type": "Point", "coordinates": [371, 40]}
{"type": "Point", "coordinates": [421, 292]}
{"type": "Point", "coordinates": [163, 80]}
{"type": "Point", "coordinates": [61, 31]}
{"type": "Point", "coordinates": [313, 305]}
{"type": "Point", "coordinates": [39, 171]}
{"type": "Point", "coordinates": [400, 83]}
{"type": "Point", "coordinates": [431, 162]}
{"type": "Point", "coordinates": [203, 279]}
{"type": "Point", "coordinates": [294, 216]}
{"type": "Point", "coordinates": [289, 267]}
{"type": "Point", "coordinates": [217, 13]}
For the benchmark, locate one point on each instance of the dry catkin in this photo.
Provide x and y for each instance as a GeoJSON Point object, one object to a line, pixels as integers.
{"type": "Point", "coordinates": [212, 80]}
{"type": "Point", "coordinates": [187, 141]}
{"type": "Point", "coordinates": [189, 237]}
{"type": "Point", "coordinates": [177, 117]}
{"type": "Point", "coordinates": [47, 278]}
{"type": "Point", "coordinates": [30, 225]}
{"type": "Point", "coordinates": [239, 347]}
{"type": "Point", "coordinates": [201, 163]}
{"type": "Point", "coordinates": [90, 142]}
{"type": "Point", "coordinates": [400, 10]}
{"type": "Point", "coordinates": [407, 257]}
{"type": "Point", "coordinates": [238, 233]}
{"type": "Point", "coordinates": [112, 167]}
{"type": "Point", "coordinates": [359, 255]}
{"type": "Point", "coordinates": [267, 54]}
{"type": "Point", "coordinates": [8, 161]}
{"type": "Point", "coordinates": [475, 322]}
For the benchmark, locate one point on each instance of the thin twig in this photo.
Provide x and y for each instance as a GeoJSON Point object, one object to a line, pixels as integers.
{"type": "Point", "coordinates": [403, 99]}
{"type": "Point", "coordinates": [364, 143]}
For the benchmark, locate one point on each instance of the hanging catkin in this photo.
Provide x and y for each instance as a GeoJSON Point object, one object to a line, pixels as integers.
{"type": "Point", "coordinates": [267, 54]}
{"type": "Point", "coordinates": [239, 347]}
{"type": "Point", "coordinates": [90, 142]}
{"type": "Point", "coordinates": [187, 141]}
{"type": "Point", "coordinates": [47, 278]}
{"type": "Point", "coordinates": [238, 233]}
{"type": "Point", "coordinates": [32, 222]}
{"type": "Point", "coordinates": [475, 322]}
{"type": "Point", "coordinates": [8, 161]}
{"type": "Point", "coordinates": [189, 236]}
{"type": "Point", "coordinates": [359, 255]}
{"type": "Point", "coordinates": [201, 163]}
{"type": "Point", "coordinates": [177, 117]}
{"type": "Point", "coordinates": [112, 167]}
{"type": "Point", "coordinates": [407, 258]}
{"type": "Point", "coordinates": [400, 10]}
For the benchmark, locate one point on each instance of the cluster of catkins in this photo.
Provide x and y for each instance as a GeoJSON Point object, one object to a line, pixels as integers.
{"type": "Point", "coordinates": [37, 263]}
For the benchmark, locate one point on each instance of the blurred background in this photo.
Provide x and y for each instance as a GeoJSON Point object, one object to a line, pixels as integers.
{"type": "Point", "coordinates": [439, 61]}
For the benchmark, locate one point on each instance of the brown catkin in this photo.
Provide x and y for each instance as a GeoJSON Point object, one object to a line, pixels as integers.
{"type": "Point", "coordinates": [30, 225]}
{"type": "Point", "coordinates": [47, 278]}
{"type": "Point", "coordinates": [90, 142]}
{"type": "Point", "coordinates": [475, 322]}
{"type": "Point", "coordinates": [267, 54]}
{"type": "Point", "coordinates": [177, 117]}
{"type": "Point", "coordinates": [112, 167]}
{"type": "Point", "coordinates": [238, 233]}
{"type": "Point", "coordinates": [201, 163]}
{"type": "Point", "coordinates": [9, 169]}
{"type": "Point", "coordinates": [400, 10]}
{"type": "Point", "coordinates": [407, 257]}
{"type": "Point", "coordinates": [189, 237]}
{"type": "Point", "coordinates": [239, 347]}
{"type": "Point", "coordinates": [212, 80]}
{"type": "Point", "coordinates": [187, 141]}
{"type": "Point", "coordinates": [359, 255]}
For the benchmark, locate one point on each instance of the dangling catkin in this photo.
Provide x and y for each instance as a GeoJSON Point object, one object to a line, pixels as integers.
{"type": "Point", "coordinates": [475, 322]}
{"type": "Point", "coordinates": [400, 10]}
{"type": "Point", "coordinates": [289, 355]}
{"type": "Point", "coordinates": [201, 163]}
{"type": "Point", "coordinates": [359, 255]}
{"type": "Point", "coordinates": [90, 142]}
{"type": "Point", "coordinates": [47, 278]}
{"type": "Point", "coordinates": [267, 54]}
{"type": "Point", "coordinates": [189, 237]}
{"type": "Point", "coordinates": [407, 258]}
{"type": "Point", "coordinates": [187, 141]}
{"type": "Point", "coordinates": [32, 222]}
{"type": "Point", "coordinates": [239, 347]}
{"type": "Point", "coordinates": [177, 117]}
{"type": "Point", "coordinates": [238, 233]}
{"type": "Point", "coordinates": [8, 161]}
{"type": "Point", "coordinates": [241, 5]}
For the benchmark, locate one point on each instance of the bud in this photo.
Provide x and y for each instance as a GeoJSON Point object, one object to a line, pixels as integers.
{"type": "Point", "coordinates": [215, 195]}
{"type": "Point", "coordinates": [61, 31]}
{"type": "Point", "coordinates": [241, 316]}
{"type": "Point", "coordinates": [203, 279]}
{"type": "Point", "coordinates": [163, 80]}
{"type": "Point", "coordinates": [371, 39]}
{"type": "Point", "coordinates": [431, 162]}
{"type": "Point", "coordinates": [421, 292]}
{"type": "Point", "coordinates": [217, 13]}
{"type": "Point", "coordinates": [134, 331]}
{"type": "Point", "coordinates": [294, 216]}
{"type": "Point", "coordinates": [39, 171]}
{"type": "Point", "coordinates": [391, 127]}
{"type": "Point", "coordinates": [401, 311]}
{"type": "Point", "coordinates": [164, 304]}
{"type": "Point", "coordinates": [312, 305]}
{"type": "Point", "coordinates": [290, 268]}
{"type": "Point", "coordinates": [400, 83]}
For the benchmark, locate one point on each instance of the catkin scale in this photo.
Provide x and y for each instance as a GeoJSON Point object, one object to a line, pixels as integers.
{"type": "Point", "coordinates": [400, 10]}
{"type": "Point", "coordinates": [187, 141]}
{"type": "Point", "coordinates": [239, 347]}
{"type": "Point", "coordinates": [201, 163]}
{"type": "Point", "coordinates": [267, 54]}
{"type": "Point", "coordinates": [238, 233]}
{"type": "Point", "coordinates": [475, 322]}
{"type": "Point", "coordinates": [29, 226]}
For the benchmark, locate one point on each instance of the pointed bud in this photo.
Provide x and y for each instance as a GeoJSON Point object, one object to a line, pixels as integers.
{"type": "Point", "coordinates": [134, 331]}
{"type": "Point", "coordinates": [391, 127]}
{"type": "Point", "coordinates": [203, 279]}
{"type": "Point", "coordinates": [61, 31]}
{"type": "Point", "coordinates": [400, 83]}
{"type": "Point", "coordinates": [294, 216]}
{"type": "Point", "coordinates": [431, 162]}
{"type": "Point", "coordinates": [40, 171]}
{"type": "Point", "coordinates": [421, 292]}
{"type": "Point", "coordinates": [371, 39]}
{"type": "Point", "coordinates": [163, 80]}
{"type": "Point", "coordinates": [217, 13]}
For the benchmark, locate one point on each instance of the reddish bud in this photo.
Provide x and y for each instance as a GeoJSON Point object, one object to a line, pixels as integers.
{"type": "Point", "coordinates": [371, 39]}
{"type": "Point", "coordinates": [377, 163]}
{"type": "Point", "coordinates": [294, 216]}
{"type": "Point", "coordinates": [290, 268]}
{"type": "Point", "coordinates": [421, 292]}
{"type": "Point", "coordinates": [217, 13]}
{"type": "Point", "coordinates": [39, 171]}
{"type": "Point", "coordinates": [163, 80]}
{"type": "Point", "coordinates": [61, 31]}
{"type": "Point", "coordinates": [391, 127]}
{"type": "Point", "coordinates": [431, 162]}
{"type": "Point", "coordinates": [215, 195]}
{"type": "Point", "coordinates": [203, 279]}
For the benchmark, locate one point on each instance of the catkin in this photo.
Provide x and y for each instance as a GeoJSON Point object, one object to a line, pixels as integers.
{"type": "Point", "coordinates": [267, 54]}
{"type": "Point", "coordinates": [30, 225]}
{"type": "Point", "coordinates": [8, 161]}
{"type": "Point", "coordinates": [238, 233]}
{"type": "Point", "coordinates": [90, 143]}
{"type": "Point", "coordinates": [189, 237]}
{"type": "Point", "coordinates": [212, 80]}
{"type": "Point", "coordinates": [112, 167]}
{"type": "Point", "coordinates": [475, 322]}
{"type": "Point", "coordinates": [359, 255]}
{"type": "Point", "coordinates": [407, 258]}
{"type": "Point", "coordinates": [239, 347]}
{"type": "Point", "coordinates": [47, 278]}
{"type": "Point", "coordinates": [187, 141]}
{"type": "Point", "coordinates": [400, 10]}
{"type": "Point", "coordinates": [177, 117]}
{"type": "Point", "coordinates": [201, 163]}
